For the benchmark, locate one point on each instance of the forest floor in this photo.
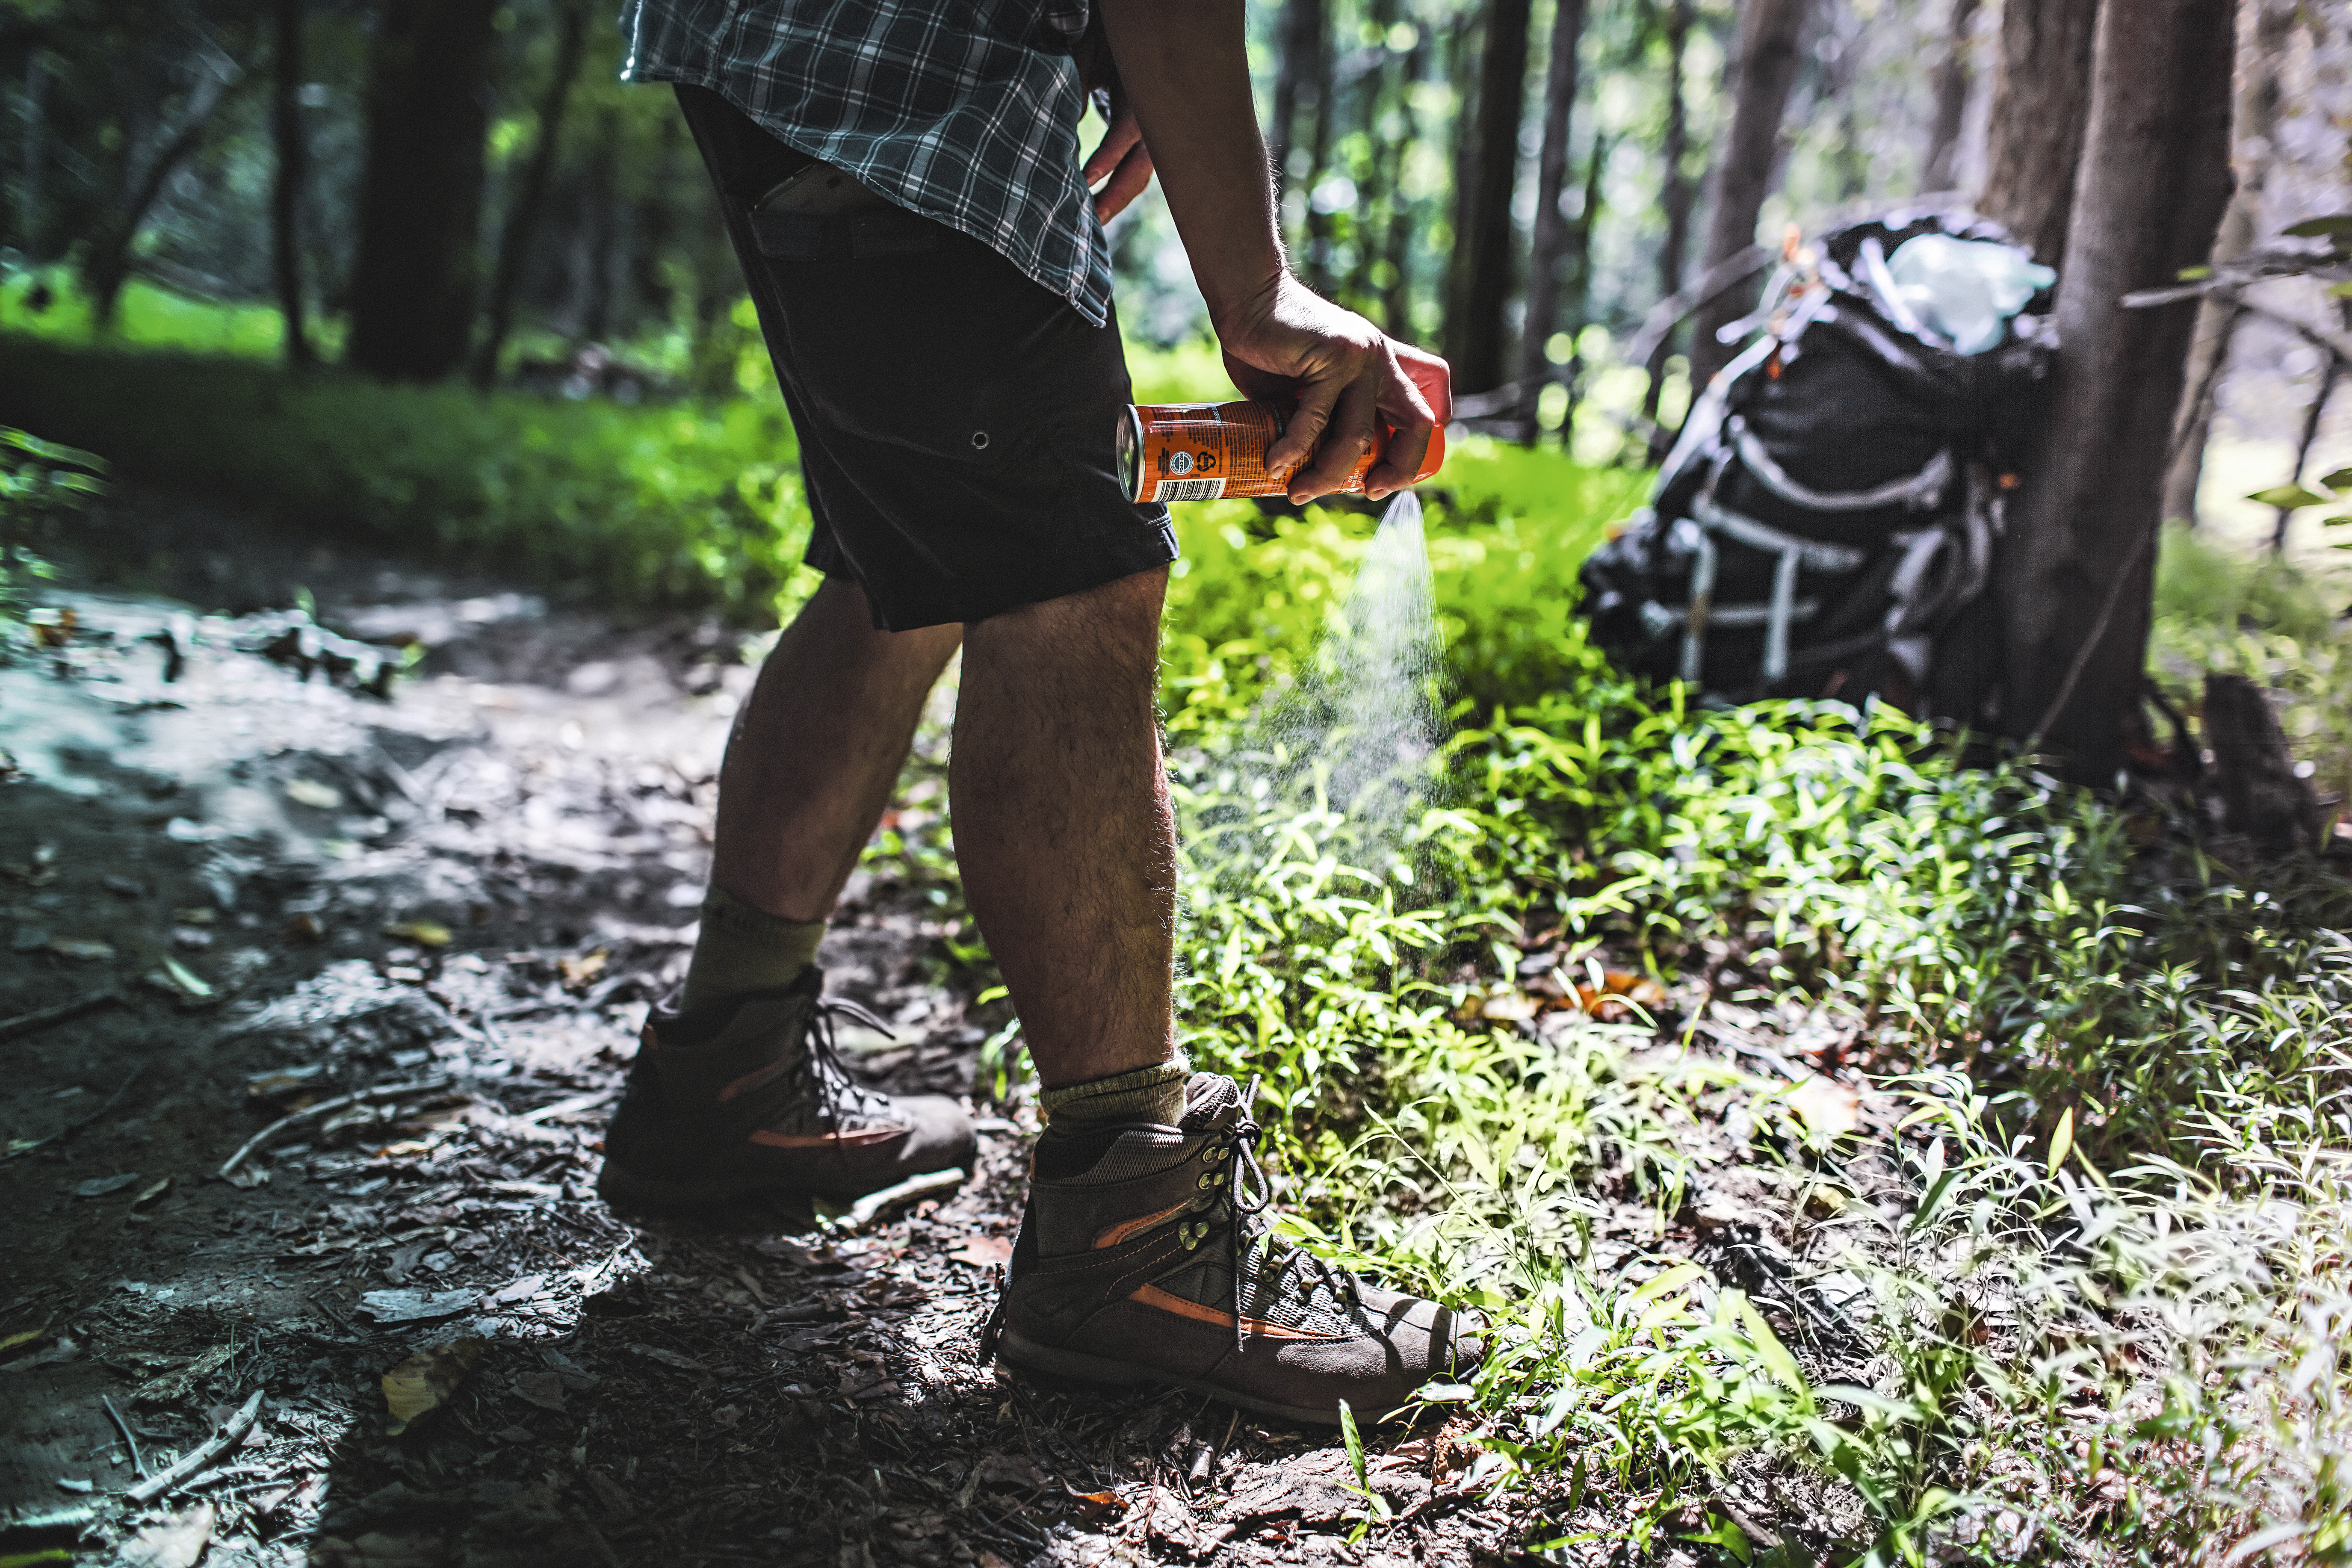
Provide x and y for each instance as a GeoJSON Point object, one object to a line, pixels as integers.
{"type": "Point", "coordinates": [435, 922]}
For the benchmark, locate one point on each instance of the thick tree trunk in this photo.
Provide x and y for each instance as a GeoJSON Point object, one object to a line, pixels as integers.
{"type": "Point", "coordinates": [1318, 164]}
{"type": "Point", "coordinates": [531, 199]}
{"type": "Point", "coordinates": [32, 183]}
{"type": "Point", "coordinates": [420, 203]}
{"type": "Point", "coordinates": [1674, 198]}
{"type": "Point", "coordinates": [1304, 26]}
{"type": "Point", "coordinates": [1396, 298]}
{"type": "Point", "coordinates": [2216, 319]}
{"type": "Point", "coordinates": [2079, 561]}
{"type": "Point", "coordinates": [1489, 241]}
{"type": "Point", "coordinates": [2041, 96]}
{"type": "Point", "coordinates": [286, 187]}
{"type": "Point", "coordinates": [1768, 67]}
{"type": "Point", "coordinates": [1462, 50]}
{"type": "Point", "coordinates": [107, 264]}
{"type": "Point", "coordinates": [1553, 226]}
{"type": "Point", "coordinates": [1941, 170]}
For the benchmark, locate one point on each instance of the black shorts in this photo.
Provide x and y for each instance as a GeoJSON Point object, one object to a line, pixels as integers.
{"type": "Point", "coordinates": [956, 420]}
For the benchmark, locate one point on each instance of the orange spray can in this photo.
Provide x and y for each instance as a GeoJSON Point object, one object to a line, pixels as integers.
{"type": "Point", "coordinates": [1211, 451]}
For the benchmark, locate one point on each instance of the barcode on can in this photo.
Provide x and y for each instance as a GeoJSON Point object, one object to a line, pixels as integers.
{"type": "Point", "coordinates": [1189, 490]}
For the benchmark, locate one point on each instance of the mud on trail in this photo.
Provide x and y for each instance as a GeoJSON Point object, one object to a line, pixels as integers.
{"type": "Point", "coordinates": [410, 940]}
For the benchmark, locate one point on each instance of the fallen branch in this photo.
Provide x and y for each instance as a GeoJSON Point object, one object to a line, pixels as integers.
{"type": "Point", "coordinates": [309, 1112]}
{"type": "Point", "coordinates": [33, 1023]}
{"type": "Point", "coordinates": [231, 1433]}
{"type": "Point", "coordinates": [862, 1213]}
{"type": "Point", "coordinates": [138, 1465]}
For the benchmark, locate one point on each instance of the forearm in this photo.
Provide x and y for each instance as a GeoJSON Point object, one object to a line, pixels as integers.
{"type": "Point", "coordinates": [1186, 71]}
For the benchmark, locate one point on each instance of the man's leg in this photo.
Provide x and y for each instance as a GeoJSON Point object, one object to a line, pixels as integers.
{"type": "Point", "coordinates": [810, 765]}
{"type": "Point", "coordinates": [1064, 831]}
{"type": "Point", "coordinates": [728, 1095]}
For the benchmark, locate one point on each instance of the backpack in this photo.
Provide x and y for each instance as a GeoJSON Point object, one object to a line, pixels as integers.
{"type": "Point", "coordinates": [1825, 522]}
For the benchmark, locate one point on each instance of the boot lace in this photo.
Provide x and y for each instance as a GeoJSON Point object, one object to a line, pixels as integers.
{"type": "Point", "coordinates": [838, 1095]}
{"type": "Point", "coordinates": [1246, 1195]}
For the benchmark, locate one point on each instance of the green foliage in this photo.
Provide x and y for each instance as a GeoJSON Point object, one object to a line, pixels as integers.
{"type": "Point", "coordinates": [673, 505]}
{"type": "Point", "coordinates": [41, 484]}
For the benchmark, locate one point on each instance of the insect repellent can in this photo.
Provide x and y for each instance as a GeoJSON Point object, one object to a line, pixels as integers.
{"type": "Point", "coordinates": [1207, 451]}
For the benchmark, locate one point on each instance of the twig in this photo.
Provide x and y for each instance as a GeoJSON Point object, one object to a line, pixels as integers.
{"type": "Point", "coordinates": [230, 1434]}
{"type": "Point", "coordinates": [2090, 645]}
{"type": "Point", "coordinates": [341, 1102]}
{"type": "Point", "coordinates": [33, 1023]}
{"type": "Point", "coordinates": [138, 1464]}
{"type": "Point", "coordinates": [566, 1107]}
{"type": "Point", "coordinates": [70, 1128]}
{"type": "Point", "coordinates": [862, 1213]}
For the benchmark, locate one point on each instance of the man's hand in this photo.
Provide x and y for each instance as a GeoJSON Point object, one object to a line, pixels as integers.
{"type": "Point", "coordinates": [1121, 155]}
{"type": "Point", "coordinates": [1186, 71]}
{"type": "Point", "coordinates": [1349, 377]}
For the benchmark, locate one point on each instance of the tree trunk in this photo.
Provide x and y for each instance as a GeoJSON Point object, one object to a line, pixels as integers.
{"type": "Point", "coordinates": [2078, 567]}
{"type": "Point", "coordinates": [1579, 296]}
{"type": "Point", "coordinates": [1396, 299]}
{"type": "Point", "coordinates": [2208, 351]}
{"type": "Point", "coordinates": [1376, 195]}
{"type": "Point", "coordinates": [1462, 56]}
{"type": "Point", "coordinates": [1478, 358]}
{"type": "Point", "coordinates": [1940, 171]}
{"type": "Point", "coordinates": [1551, 233]}
{"type": "Point", "coordinates": [286, 187]}
{"type": "Point", "coordinates": [1675, 197]}
{"type": "Point", "coordinates": [1768, 67]}
{"type": "Point", "coordinates": [420, 201]}
{"type": "Point", "coordinates": [2040, 97]}
{"type": "Point", "coordinates": [1303, 26]}
{"type": "Point", "coordinates": [32, 183]}
{"type": "Point", "coordinates": [1319, 162]}
{"type": "Point", "coordinates": [600, 229]}
{"type": "Point", "coordinates": [531, 199]}
{"type": "Point", "coordinates": [106, 267]}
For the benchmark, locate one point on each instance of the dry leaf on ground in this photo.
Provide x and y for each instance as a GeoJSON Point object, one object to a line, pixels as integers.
{"type": "Point", "coordinates": [425, 1381]}
{"type": "Point", "coordinates": [1827, 1107]}
{"type": "Point", "coordinates": [176, 1542]}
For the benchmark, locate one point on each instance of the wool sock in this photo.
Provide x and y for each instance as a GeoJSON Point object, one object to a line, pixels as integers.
{"type": "Point", "coordinates": [742, 949]}
{"type": "Point", "coordinates": [1146, 1094]}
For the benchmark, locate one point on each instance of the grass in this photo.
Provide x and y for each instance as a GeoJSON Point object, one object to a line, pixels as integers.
{"type": "Point", "coordinates": [2034, 1110]}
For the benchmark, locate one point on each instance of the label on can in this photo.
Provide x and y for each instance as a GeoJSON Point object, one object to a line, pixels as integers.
{"type": "Point", "coordinates": [1207, 451]}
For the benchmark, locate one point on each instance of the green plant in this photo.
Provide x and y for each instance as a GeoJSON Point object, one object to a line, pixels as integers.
{"type": "Point", "coordinates": [41, 484]}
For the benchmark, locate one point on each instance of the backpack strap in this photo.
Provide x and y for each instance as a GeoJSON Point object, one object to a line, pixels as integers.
{"type": "Point", "coordinates": [1922, 491]}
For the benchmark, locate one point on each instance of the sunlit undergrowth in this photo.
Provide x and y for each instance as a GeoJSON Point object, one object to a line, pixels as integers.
{"type": "Point", "coordinates": [2073, 1287]}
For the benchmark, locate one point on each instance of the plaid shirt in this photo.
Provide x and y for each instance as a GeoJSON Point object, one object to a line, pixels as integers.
{"type": "Point", "coordinates": [963, 110]}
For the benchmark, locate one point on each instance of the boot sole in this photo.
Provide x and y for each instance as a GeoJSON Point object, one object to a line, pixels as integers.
{"type": "Point", "coordinates": [1017, 1350]}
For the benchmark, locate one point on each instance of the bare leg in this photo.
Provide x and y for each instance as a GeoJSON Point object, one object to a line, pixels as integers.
{"type": "Point", "coordinates": [816, 750]}
{"type": "Point", "coordinates": [1063, 829]}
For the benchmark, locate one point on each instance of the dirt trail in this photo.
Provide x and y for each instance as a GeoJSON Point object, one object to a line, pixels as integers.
{"type": "Point", "coordinates": [466, 894]}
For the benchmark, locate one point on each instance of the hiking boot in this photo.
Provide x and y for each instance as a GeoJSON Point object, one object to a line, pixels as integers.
{"type": "Point", "coordinates": [757, 1102]}
{"type": "Point", "coordinates": [1142, 1258]}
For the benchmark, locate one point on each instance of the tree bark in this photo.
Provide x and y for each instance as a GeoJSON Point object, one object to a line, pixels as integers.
{"type": "Point", "coordinates": [530, 200]}
{"type": "Point", "coordinates": [1768, 67]}
{"type": "Point", "coordinates": [2040, 97]}
{"type": "Point", "coordinates": [2255, 120]}
{"type": "Point", "coordinates": [413, 283]}
{"type": "Point", "coordinates": [32, 183]}
{"type": "Point", "coordinates": [1303, 25]}
{"type": "Point", "coordinates": [1319, 160]}
{"type": "Point", "coordinates": [1478, 358]}
{"type": "Point", "coordinates": [1940, 171]}
{"type": "Point", "coordinates": [2078, 570]}
{"type": "Point", "coordinates": [1462, 54]}
{"type": "Point", "coordinates": [1552, 227]}
{"type": "Point", "coordinates": [1396, 299]}
{"type": "Point", "coordinates": [286, 187]}
{"type": "Point", "coordinates": [106, 267]}
{"type": "Point", "coordinates": [1674, 198]}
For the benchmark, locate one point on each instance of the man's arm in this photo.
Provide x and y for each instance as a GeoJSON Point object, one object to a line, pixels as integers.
{"type": "Point", "coordinates": [1185, 69]}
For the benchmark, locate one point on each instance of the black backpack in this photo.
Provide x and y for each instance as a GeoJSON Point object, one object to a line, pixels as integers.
{"type": "Point", "coordinates": [1825, 524]}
